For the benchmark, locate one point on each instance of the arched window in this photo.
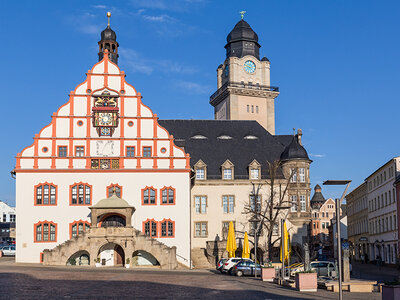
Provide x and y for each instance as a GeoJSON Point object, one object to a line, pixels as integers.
{"type": "Point", "coordinates": [81, 194]}
{"type": "Point", "coordinates": [149, 196]}
{"type": "Point", "coordinates": [118, 190]}
{"type": "Point", "coordinates": [167, 228]}
{"type": "Point", "coordinates": [45, 194]}
{"type": "Point", "coordinates": [168, 195]}
{"type": "Point", "coordinates": [45, 232]}
{"type": "Point", "coordinates": [78, 227]}
{"type": "Point", "coordinates": [150, 228]}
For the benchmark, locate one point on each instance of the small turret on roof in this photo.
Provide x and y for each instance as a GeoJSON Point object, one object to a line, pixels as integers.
{"type": "Point", "coordinates": [318, 199]}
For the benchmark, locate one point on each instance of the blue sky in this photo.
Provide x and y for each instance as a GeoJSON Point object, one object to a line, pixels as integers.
{"type": "Point", "coordinates": [336, 63]}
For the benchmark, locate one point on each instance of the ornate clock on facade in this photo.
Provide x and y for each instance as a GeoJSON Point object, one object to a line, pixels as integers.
{"type": "Point", "coordinates": [105, 114]}
{"type": "Point", "coordinates": [249, 67]}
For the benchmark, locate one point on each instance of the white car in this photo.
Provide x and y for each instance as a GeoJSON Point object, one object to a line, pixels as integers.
{"type": "Point", "coordinates": [230, 263]}
{"type": "Point", "coordinates": [8, 250]}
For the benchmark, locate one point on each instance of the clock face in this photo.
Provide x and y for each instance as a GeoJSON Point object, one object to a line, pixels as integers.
{"type": "Point", "coordinates": [249, 67]}
{"type": "Point", "coordinates": [105, 119]}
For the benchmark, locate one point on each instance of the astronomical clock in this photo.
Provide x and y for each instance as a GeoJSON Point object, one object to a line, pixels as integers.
{"type": "Point", "coordinates": [105, 114]}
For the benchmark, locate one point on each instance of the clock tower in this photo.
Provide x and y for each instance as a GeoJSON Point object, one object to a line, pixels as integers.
{"type": "Point", "coordinates": [244, 90]}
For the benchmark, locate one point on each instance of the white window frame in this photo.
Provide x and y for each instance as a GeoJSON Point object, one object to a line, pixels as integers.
{"type": "Point", "coordinates": [254, 173]}
{"type": "Point", "coordinates": [228, 174]}
{"type": "Point", "coordinates": [200, 204]}
{"type": "Point", "coordinates": [302, 174]}
{"type": "Point", "coordinates": [294, 177]}
{"type": "Point", "coordinates": [303, 204]}
{"type": "Point", "coordinates": [200, 173]}
{"type": "Point", "coordinates": [293, 199]}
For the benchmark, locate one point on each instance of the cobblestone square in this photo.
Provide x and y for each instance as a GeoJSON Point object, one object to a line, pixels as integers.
{"type": "Point", "coordinates": [28, 281]}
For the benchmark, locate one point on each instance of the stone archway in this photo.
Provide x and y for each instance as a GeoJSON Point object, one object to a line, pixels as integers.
{"type": "Point", "coordinates": [111, 254]}
{"type": "Point", "coordinates": [144, 258]}
{"type": "Point", "coordinates": [79, 258]}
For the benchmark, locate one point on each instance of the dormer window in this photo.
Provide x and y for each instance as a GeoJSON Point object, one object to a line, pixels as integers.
{"type": "Point", "coordinates": [224, 137]}
{"type": "Point", "coordinates": [254, 170]}
{"type": "Point", "coordinates": [227, 173]}
{"type": "Point", "coordinates": [254, 173]}
{"type": "Point", "coordinates": [250, 137]}
{"type": "Point", "coordinates": [227, 170]}
{"type": "Point", "coordinates": [198, 137]}
{"type": "Point", "coordinates": [200, 169]}
{"type": "Point", "coordinates": [200, 174]}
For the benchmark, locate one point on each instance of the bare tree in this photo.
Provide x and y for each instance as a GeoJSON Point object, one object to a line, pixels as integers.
{"type": "Point", "coordinates": [268, 212]}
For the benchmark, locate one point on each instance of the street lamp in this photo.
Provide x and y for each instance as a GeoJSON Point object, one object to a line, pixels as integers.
{"type": "Point", "coordinates": [282, 242]}
{"type": "Point", "coordinates": [339, 246]}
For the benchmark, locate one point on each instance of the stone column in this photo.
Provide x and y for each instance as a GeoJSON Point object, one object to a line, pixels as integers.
{"type": "Point", "coordinates": [346, 266]}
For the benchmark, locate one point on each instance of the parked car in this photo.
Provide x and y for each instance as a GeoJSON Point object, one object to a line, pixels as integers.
{"type": "Point", "coordinates": [231, 262]}
{"type": "Point", "coordinates": [323, 268]}
{"type": "Point", "coordinates": [220, 264]}
{"type": "Point", "coordinates": [246, 267]}
{"type": "Point", "coordinates": [8, 250]}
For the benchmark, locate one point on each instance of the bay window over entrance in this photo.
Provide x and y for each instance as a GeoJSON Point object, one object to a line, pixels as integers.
{"type": "Point", "coordinates": [113, 220]}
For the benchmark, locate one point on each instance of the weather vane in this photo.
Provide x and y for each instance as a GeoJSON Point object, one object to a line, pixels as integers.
{"type": "Point", "coordinates": [108, 16]}
{"type": "Point", "coordinates": [242, 13]}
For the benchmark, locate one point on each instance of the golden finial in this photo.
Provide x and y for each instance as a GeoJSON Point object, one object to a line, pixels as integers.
{"type": "Point", "coordinates": [242, 13]}
{"type": "Point", "coordinates": [108, 16]}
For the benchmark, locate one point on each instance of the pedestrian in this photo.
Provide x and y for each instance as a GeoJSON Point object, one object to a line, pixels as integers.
{"type": "Point", "coordinates": [366, 258]}
{"type": "Point", "coordinates": [362, 258]}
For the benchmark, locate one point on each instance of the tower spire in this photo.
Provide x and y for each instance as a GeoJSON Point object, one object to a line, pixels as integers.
{"type": "Point", "coordinates": [242, 13]}
{"type": "Point", "coordinates": [108, 42]}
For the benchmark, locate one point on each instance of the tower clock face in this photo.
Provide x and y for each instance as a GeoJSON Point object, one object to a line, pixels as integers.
{"type": "Point", "coordinates": [249, 67]}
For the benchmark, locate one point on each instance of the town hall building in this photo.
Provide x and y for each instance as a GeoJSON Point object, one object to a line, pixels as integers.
{"type": "Point", "coordinates": [108, 183]}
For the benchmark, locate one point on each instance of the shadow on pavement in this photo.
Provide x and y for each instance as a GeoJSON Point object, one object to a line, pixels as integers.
{"type": "Point", "coordinates": [22, 286]}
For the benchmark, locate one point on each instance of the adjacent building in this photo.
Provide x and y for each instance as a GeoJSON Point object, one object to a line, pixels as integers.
{"type": "Point", "coordinates": [373, 215]}
{"type": "Point", "coordinates": [7, 223]}
{"type": "Point", "coordinates": [357, 218]}
{"type": "Point", "coordinates": [382, 212]}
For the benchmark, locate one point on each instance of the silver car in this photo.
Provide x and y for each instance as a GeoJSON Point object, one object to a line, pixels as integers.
{"type": "Point", "coordinates": [323, 268]}
{"type": "Point", "coordinates": [8, 250]}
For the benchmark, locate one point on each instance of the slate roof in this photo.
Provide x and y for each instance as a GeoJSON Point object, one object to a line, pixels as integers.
{"type": "Point", "coordinates": [294, 151]}
{"type": "Point", "coordinates": [318, 198]}
{"type": "Point", "coordinates": [214, 151]}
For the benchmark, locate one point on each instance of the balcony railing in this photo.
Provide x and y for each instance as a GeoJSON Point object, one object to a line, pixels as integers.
{"type": "Point", "coordinates": [242, 84]}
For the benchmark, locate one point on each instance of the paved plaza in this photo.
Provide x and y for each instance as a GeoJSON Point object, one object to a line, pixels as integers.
{"type": "Point", "coordinates": [28, 281]}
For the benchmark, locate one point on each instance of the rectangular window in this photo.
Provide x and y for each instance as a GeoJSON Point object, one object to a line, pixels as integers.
{"type": "Point", "coordinates": [62, 151]}
{"type": "Point", "coordinates": [200, 203]}
{"type": "Point", "coordinates": [80, 194]}
{"type": "Point", "coordinates": [12, 218]}
{"type": "Point", "coordinates": [303, 203]}
{"type": "Point", "coordinates": [302, 175]}
{"type": "Point", "coordinates": [146, 151]}
{"type": "Point", "coordinates": [39, 232]}
{"type": "Point", "coordinates": [167, 196]}
{"type": "Point", "coordinates": [255, 173]}
{"type": "Point", "coordinates": [200, 229]}
{"type": "Point", "coordinates": [248, 108]}
{"type": "Point", "coordinates": [130, 151]}
{"type": "Point", "coordinates": [253, 205]}
{"type": "Point", "coordinates": [293, 198]}
{"type": "Point", "coordinates": [257, 109]}
{"type": "Point", "coordinates": [323, 225]}
{"type": "Point", "coordinates": [228, 204]}
{"type": "Point", "coordinates": [200, 174]}
{"type": "Point", "coordinates": [149, 196]}
{"type": "Point", "coordinates": [227, 173]}
{"type": "Point", "coordinates": [252, 108]}
{"type": "Point", "coordinates": [294, 175]}
{"type": "Point", "coordinates": [225, 227]}
{"type": "Point", "coordinates": [79, 151]}
{"type": "Point", "coordinates": [275, 229]}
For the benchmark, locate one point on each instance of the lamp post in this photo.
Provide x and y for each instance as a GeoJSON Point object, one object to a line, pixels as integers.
{"type": "Point", "coordinates": [338, 202]}
{"type": "Point", "coordinates": [282, 242]}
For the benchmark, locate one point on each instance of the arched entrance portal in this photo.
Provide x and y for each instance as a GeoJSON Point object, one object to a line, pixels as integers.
{"type": "Point", "coordinates": [80, 258]}
{"type": "Point", "coordinates": [144, 258]}
{"type": "Point", "coordinates": [112, 255]}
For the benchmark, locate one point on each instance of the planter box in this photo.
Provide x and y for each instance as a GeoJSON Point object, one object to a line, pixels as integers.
{"type": "Point", "coordinates": [267, 274]}
{"type": "Point", "coordinates": [391, 292]}
{"type": "Point", "coordinates": [306, 282]}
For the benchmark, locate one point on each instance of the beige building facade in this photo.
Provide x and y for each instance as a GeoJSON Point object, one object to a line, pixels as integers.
{"type": "Point", "coordinates": [357, 222]}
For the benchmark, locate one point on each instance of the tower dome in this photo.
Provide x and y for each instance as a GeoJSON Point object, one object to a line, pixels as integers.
{"type": "Point", "coordinates": [318, 199]}
{"type": "Point", "coordinates": [242, 40]}
{"type": "Point", "coordinates": [108, 42]}
{"type": "Point", "coordinates": [294, 151]}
